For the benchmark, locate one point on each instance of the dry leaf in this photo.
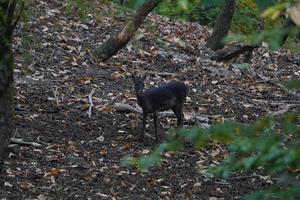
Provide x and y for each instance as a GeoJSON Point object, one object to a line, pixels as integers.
{"type": "Point", "coordinates": [53, 172]}
{"type": "Point", "coordinates": [84, 107]}
{"type": "Point", "coordinates": [86, 79]}
{"type": "Point", "coordinates": [126, 146]}
{"type": "Point", "coordinates": [106, 109]}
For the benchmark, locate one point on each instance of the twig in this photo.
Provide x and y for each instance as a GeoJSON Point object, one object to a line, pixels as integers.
{"type": "Point", "coordinates": [244, 177]}
{"type": "Point", "coordinates": [93, 59]}
{"type": "Point", "coordinates": [91, 103]}
{"type": "Point", "coordinates": [222, 183]}
{"type": "Point", "coordinates": [55, 96]}
{"type": "Point", "coordinates": [162, 73]}
{"type": "Point", "coordinates": [282, 87]}
{"type": "Point", "coordinates": [20, 141]}
{"type": "Point", "coordinates": [13, 26]}
{"type": "Point", "coordinates": [111, 102]}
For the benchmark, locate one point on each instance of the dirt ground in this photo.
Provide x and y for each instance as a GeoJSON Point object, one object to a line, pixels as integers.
{"type": "Point", "coordinates": [81, 157]}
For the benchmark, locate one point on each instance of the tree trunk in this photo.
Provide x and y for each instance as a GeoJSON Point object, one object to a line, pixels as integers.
{"type": "Point", "coordinates": [114, 44]}
{"type": "Point", "coordinates": [222, 27]}
{"type": "Point", "coordinates": [6, 95]}
{"type": "Point", "coordinates": [8, 21]}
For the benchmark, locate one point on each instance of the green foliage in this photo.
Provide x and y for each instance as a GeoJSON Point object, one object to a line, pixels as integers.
{"type": "Point", "coordinates": [205, 12]}
{"type": "Point", "coordinates": [27, 12]}
{"type": "Point", "coordinates": [28, 43]}
{"type": "Point", "coordinates": [266, 145]}
{"type": "Point", "coordinates": [134, 4]}
{"type": "Point", "coordinates": [265, 3]}
{"type": "Point", "coordinates": [290, 192]}
{"type": "Point", "coordinates": [293, 84]}
{"type": "Point", "coordinates": [246, 18]}
{"type": "Point", "coordinates": [81, 7]}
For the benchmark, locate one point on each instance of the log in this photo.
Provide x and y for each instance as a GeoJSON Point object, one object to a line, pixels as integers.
{"type": "Point", "coordinates": [199, 119]}
{"type": "Point", "coordinates": [230, 52]}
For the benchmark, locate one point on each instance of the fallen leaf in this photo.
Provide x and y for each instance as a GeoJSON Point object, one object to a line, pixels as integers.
{"type": "Point", "coordinates": [126, 146]}
{"type": "Point", "coordinates": [86, 80]}
{"type": "Point", "coordinates": [52, 172]}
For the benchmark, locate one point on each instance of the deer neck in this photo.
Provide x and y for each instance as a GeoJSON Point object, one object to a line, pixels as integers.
{"type": "Point", "coordinates": [139, 96]}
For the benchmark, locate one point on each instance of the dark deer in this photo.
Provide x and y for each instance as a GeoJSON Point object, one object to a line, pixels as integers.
{"type": "Point", "coordinates": [171, 95]}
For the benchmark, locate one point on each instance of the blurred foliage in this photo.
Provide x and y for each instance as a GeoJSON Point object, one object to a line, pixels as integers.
{"type": "Point", "coordinates": [292, 84]}
{"type": "Point", "coordinates": [203, 12]}
{"type": "Point", "coordinates": [269, 144]}
{"type": "Point", "coordinates": [28, 43]}
{"type": "Point", "coordinates": [246, 19]}
{"type": "Point", "coordinates": [254, 21]}
{"type": "Point", "coordinates": [27, 11]}
{"type": "Point", "coordinates": [81, 7]}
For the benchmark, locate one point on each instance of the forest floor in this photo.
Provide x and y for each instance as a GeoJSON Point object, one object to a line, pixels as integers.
{"type": "Point", "coordinates": [80, 157]}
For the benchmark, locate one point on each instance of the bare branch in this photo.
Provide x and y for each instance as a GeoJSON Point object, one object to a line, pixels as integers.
{"type": "Point", "coordinates": [284, 109]}
{"type": "Point", "coordinates": [10, 12]}
{"type": "Point", "coordinates": [13, 26]}
{"type": "Point", "coordinates": [20, 141]}
{"type": "Point", "coordinates": [164, 74]}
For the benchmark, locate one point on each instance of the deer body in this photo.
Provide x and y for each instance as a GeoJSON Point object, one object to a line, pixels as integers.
{"type": "Point", "coordinates": [171, 95]}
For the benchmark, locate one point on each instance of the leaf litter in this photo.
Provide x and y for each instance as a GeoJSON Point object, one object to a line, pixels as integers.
{"type": "Point", "coordinates": [81, 157]}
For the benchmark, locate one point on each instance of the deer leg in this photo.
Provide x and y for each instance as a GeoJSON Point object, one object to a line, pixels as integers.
{"type": "Point", "coordinates": [182, 117]}
{"type": "Point", "coordinates": [155, 125]}
{"type": "Point", "coordinates": [144, 125]}
{"type": "Point", "coordinates": [179, 115]}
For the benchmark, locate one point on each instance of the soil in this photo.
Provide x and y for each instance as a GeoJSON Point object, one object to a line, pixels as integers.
{"type": "Point", "coordinates": [81, 157]}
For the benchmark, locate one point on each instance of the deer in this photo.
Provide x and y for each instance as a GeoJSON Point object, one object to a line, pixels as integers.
{"type": "Point", "coordinates": [171, 95]}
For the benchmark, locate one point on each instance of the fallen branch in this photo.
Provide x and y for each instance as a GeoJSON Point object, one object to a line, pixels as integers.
{"type": "Point", "coordinates": [244, 177]}
{"type": "Point", "coordinates": [21, 142]}
{"type": "Point", "coordinates": [277, 84]}
{"type": "Point", "coordinates": [285, 108]}
{"type": "Point", "coordinates": [201, 120]}
{"type": "Point", "coordinates": [111, 102]}
{"type": "Point", "coordinates": [121, 107]}
{"type": "Point", "coordinates": [232, 51]}
{"type": "Point", "coordinates": [164, 74]}
{"type": "Point", "coordinates": [282, 87]}
{"type": "Point", "coordinates": [91, 103]}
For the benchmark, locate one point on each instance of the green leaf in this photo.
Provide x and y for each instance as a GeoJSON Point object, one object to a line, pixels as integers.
{"type": "Point", "coordinates": [292, 84]}
{"type": "Point", "coordinates": [224, 132]}
{"type": "Point", "coordinates": [249, 162]}
{"type": "Point", "coordinates": [174, 145]}
{"type": "Point", "coordinates": [145, 162]}
{"type": "Point", "coordinates": [129, 160]}
{"type": "Point", "coordinates": [265, 3]}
